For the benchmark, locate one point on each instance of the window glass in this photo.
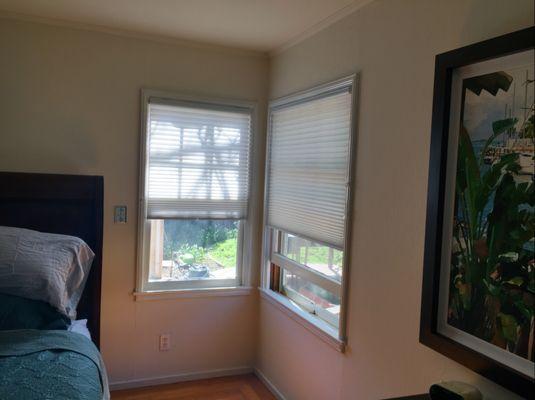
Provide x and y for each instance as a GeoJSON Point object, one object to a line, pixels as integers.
{"type": "Point", "coordinates": [194, 249]}
{"type": "Point", "coordinates": [324, 259]}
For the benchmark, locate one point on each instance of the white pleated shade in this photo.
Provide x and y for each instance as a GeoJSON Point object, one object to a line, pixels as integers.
{"type": "Point", "coordinates": [198, 162]}
{"type": "Point", "coordinates": [308, 168]}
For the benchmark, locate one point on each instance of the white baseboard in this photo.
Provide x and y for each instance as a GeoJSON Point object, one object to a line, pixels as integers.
{"type": "Point", "coordinates": [189, 376]}
{"type": "Point", "coordinates": [272, 388]}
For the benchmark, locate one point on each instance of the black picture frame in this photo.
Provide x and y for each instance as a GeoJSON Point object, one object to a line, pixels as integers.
{"type": "Point", "coordinates": [445, 64]}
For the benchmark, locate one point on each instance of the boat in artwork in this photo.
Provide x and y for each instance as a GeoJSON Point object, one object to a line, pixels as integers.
{"type": "Point", "coordinates": [517, 136]}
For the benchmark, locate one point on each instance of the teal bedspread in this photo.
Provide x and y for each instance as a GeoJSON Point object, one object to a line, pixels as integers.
{"type": "Point", "coordinates": [50, 364]}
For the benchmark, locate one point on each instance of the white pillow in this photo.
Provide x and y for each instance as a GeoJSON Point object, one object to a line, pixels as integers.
{"type": "Point", "coordinates": [44, 266]}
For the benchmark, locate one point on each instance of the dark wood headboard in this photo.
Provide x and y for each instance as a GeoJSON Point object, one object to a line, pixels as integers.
{"type": "Point", "coordinates": [65, 204]}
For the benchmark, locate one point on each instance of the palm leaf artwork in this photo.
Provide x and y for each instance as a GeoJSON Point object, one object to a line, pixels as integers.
{"type": "Point", "coordinates": [492, 276]}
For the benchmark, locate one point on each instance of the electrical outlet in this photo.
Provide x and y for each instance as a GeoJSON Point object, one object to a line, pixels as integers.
{"type": "Point", "coordinates": [165, 341]}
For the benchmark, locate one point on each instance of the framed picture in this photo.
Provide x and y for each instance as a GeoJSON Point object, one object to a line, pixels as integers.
{"type": "Point", "coordinates": [478, 296]}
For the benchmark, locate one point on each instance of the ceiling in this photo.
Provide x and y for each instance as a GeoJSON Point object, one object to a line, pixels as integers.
{"type": "Point", "coordinates": [262, 25]}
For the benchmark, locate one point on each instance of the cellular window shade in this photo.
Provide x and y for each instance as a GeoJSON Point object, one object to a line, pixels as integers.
{"type": "Point", "coordinates": [198, 162]}
{"type": "Point", "coordinates": [308, 168]}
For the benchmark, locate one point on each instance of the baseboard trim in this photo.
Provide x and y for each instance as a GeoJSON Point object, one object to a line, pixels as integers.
{"type": "Point", "coordinates": [272, 388]}
{"type": "Point", "coordinates": [189, 376]}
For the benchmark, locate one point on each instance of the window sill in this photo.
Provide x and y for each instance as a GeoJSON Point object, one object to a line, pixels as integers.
{"type": "Point", "coordinates": [313, 324]}
{"type": "Point", "coordinates": [192, 293]}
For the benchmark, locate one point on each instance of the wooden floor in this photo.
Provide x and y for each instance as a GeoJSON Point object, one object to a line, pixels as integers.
{"type": "Point", "coordinates": [242, 387]}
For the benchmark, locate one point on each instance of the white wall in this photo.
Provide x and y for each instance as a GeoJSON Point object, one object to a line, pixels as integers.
{"type": "Point", "coordinates": [70, 104]}
{"type": "Point", "coordinates": [392, 44]}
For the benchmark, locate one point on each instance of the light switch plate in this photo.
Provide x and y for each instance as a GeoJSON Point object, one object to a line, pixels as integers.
{"type": "Point", "coordinates": [119, 215]}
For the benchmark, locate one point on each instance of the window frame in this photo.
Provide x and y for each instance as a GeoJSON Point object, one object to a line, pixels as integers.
{"type": "Point", "coordinates": [271, 236]}
{"type": "Point", "coordinates": [312, 276]}
{"type": "Point", "coordinates": [143, 285]}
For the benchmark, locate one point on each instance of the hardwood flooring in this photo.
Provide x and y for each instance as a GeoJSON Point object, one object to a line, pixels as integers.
{"type": "Point", "coordinates": [241, 387]}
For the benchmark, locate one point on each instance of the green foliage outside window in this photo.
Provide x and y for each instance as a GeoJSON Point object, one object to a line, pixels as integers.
{"type": "Point", "coordinates": [201, 241]}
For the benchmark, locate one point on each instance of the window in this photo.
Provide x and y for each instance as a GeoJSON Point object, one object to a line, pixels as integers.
{"type": "Point", "coordinates": [194, 192]}
{"type": "Point", "coordinates": [308, 192]}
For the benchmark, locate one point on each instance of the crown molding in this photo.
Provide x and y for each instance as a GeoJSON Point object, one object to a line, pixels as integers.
{"type": "Point", "coordinates": [326, 22]}
{"type": "Point", "coordinates": [311, 31]}
{"type": "Point", "coordinates": [163, 39]}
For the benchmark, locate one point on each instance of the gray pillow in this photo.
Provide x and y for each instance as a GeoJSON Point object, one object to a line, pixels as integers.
{"type": "Point", "coordinates": [44, 266]}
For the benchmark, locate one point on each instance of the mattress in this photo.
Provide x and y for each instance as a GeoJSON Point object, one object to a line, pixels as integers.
{"type": "Point", "coordinates": [50, 364]}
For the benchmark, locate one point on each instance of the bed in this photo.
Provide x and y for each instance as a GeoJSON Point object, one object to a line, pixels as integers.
{"type": "Point", "coordinates": [52, 362]}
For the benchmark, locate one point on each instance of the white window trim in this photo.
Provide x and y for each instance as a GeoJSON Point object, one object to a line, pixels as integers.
{"type": "Point", "coordinates": [337, 338]}
{"type": "Point", "coordinates": [243, 273]}
{"type": "Point", "coordinates": [311, 307]}
{"type": "Point", "coordinates": [193, 293]}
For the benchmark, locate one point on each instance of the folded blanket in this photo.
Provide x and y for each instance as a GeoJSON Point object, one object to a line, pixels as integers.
{"type": "Point", "coordinates": [53, 364]}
